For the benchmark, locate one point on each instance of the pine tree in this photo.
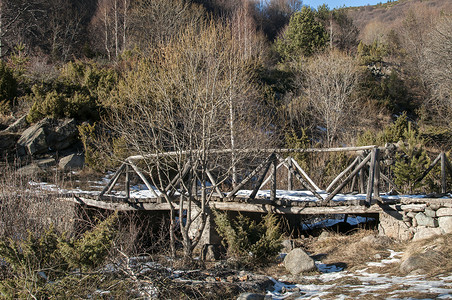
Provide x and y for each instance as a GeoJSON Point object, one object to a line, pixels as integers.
{"type": "Point", "coordinates": [411, 161]}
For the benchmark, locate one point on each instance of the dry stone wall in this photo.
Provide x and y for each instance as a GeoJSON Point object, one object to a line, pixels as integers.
{"type": "Point", "coordinates": [417, 220]}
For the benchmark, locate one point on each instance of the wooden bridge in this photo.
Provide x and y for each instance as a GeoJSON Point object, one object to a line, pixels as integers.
{"type": "Point", "coordinates": [360, 188]}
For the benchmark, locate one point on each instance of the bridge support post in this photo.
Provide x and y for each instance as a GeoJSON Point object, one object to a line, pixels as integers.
{"type": "Point", "coordinates": [209, 235]}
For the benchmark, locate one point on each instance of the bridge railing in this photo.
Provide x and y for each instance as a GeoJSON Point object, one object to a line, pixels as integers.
{"type": "Point", "coordinates": [363, 174]}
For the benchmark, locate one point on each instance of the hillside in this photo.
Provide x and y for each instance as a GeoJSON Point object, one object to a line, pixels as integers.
{"type": "Point", "coordinates": [383, 17]}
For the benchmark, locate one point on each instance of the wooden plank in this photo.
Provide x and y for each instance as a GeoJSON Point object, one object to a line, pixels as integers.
{"type": "Point", "coordinates": [113, 180]}
{"type": "Point", "coordinates": [302, 172]}
{"type": "Point", "coordinates": [350, 176]}
{"type": "Point", "coordinates": [228, 206]}
{"type": "Point", "coordinates": [143, 178]}
{"type": "Point", "coordinates": [342, 174]}
{"type": "Point", "coordinates": [251, 175]}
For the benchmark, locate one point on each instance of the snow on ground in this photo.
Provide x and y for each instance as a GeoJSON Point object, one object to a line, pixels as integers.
{"type": "Point", "coordinates": [336, 283]}
{"type": "Point", "coordinates": [308, 196]}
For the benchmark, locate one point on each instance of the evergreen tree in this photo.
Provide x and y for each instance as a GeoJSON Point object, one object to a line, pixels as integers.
{"type": "Point", "coordinates": [303, 36]}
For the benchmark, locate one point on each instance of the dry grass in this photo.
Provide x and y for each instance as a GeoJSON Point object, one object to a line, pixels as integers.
{"type": "Point", "coordinates": [353, 250]}
{"type": "Point", "coordinates": [436, 254]}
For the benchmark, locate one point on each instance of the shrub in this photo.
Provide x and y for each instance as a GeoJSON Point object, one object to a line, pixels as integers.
{"type": "Point", "coordinates": [411, 162]}
{"type": "Point", "coordinates": [50, 257]}
{"type": "Point", "coordinates": [247, 240]}
{"type": "Point", "coordinates": [8, 84]}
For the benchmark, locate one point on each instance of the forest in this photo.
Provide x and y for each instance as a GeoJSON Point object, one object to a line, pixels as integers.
{"type": "Point", "coordinates": [283, 72]}
{"type": "Point", "coordinates": [142, 77]}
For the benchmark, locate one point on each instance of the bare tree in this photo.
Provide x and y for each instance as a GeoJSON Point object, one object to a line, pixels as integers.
{"type": "Point", "coordinates": [436, 67]}
{"type": "Point", "coordinates": [156, 21]}
{"type": "Point", "coordinates": [179, 101]}
{"type": "Point", "coordinates": [110, 25]}
{"type": "Point", "coordinates": [328, 83]}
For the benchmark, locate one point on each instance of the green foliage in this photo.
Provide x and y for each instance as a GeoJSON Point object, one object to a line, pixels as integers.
{"type": "Point", "coordinates": [30, 259]}
{"type": "Point", "coordinates": [40, 265]}
{"type": "Point", "coordinates": [391, 134]}
{"type": "Point", "coordinates": [19, 60]}
{"type": "Point", "coordinates": [89, 251]}
{"type": "Point", "coordinates": [8, 85]}
{"type": "Point", "coordinates": [78, 93]}
{"type": "Point", "coordinates": [247, 240]}
{"type": "Point", "coordinates": [411, 162]}
{"type": "Point", "coordinates": [371, 54]}
{"type": "Point", "coordinates": [303, 37]}
{"type": "Point", "coordinates": [94, 158]}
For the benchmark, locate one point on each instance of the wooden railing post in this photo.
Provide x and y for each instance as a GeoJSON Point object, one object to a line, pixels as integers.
{"type": "Point", "coordinates": [127, 182]}
{"type": "Point", "coordinates": [273, 179]}
{"type": "Point", "coordinates": [372, 173]}
{"type": "Point", "coordinates": [443, 173]}
{"type": "Point", "coordinates": [289, 175]}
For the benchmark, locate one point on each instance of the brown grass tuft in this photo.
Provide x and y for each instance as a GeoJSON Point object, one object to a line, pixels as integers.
{"type": "Point", "coordinates": [354, 250]}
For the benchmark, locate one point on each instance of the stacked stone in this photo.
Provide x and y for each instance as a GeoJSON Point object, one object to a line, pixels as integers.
{"type": "Point", "coordinates": [428, 220]}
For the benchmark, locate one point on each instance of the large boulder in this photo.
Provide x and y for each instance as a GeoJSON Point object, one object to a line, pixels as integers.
{"type": "Point", "coordinates": [419, 262]}
{"type": "Point", "coordinates": [298, 261]}
{"type": "Point", "coordinates": [33, 139]}
{"type": "Point", "coordinates": [72, 162]}
{"type": "Point", "coordinates": [48, 135]}
{"type": "Point", "coordinates": [62, 135]}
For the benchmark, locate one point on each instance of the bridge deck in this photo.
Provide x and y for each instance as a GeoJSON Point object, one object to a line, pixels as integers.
{"type": "Point", "coordinates": [284, 204]}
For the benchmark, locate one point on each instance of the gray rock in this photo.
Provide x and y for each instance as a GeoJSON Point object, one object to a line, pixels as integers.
{"type": "Point", "coordinates": [288, 245]}
{"type": "Point", "coordinates": [18, 124]}
{"type": "Point", "coordinates": [72, 162]}
{"type": "Point", "coordinates": [423, 220]}
{"type": "Point", "coordinates": [251, 296]}
{"type": "Point", "coordinates": [418, 262]}
{"type": "Point", "coordinates": [445, 223]}
{"type": "Point", "coordinates": [430, 212]}
{"type": "Point", "coordinates": [298, 261]}
{"type": "Point", "coordinates": [425, 233]}
{"type": "Point", "coordinates": [33, 139]}
{"type": "Point", "coordinates": [62, 135]}
{"type": "Point", "coordinates": [325, 234]}
{"type": "Point", "coordinates": [445, 211]}
{"type": "Point", "coordinates": [31, 171]}
{"type": "Point", "coordinates": [46, 162]}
